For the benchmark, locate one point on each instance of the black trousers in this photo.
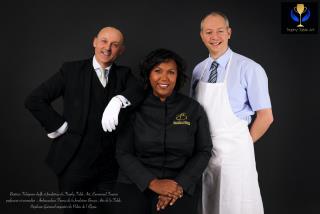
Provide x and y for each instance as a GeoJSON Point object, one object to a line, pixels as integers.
{"type": "Point", "coordinates": [133, 201]}
{"type": "Point", "coordinates": [80, 185]}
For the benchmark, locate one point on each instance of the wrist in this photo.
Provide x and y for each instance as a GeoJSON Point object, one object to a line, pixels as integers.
{"type": "Point", "coordinates": [124, 101]}
{"type": "Point", "coordinates": [117, 100]}
{"type": "Point", "coordinates": [152, 183]}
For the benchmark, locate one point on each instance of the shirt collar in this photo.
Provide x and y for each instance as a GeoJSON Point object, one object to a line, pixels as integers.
{"type": "Point", "coordinates": [97, 66]}
{"type": "Point", "coordinates": [223, 59]}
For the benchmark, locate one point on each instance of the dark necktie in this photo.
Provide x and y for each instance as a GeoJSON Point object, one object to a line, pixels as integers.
{"type": "Point", "coordinates": [213, 72]}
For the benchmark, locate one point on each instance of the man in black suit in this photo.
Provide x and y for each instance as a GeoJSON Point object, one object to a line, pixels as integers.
{"type": "Point", "coordinates": [82, 154]}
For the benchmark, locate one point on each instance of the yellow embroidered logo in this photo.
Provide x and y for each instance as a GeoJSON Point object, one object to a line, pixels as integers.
{"type": "Point", "coordinates": [181, 119]}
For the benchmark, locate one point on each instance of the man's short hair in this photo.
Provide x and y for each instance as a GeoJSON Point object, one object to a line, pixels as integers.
{"type": "Point", "coordinates": [215, 13]}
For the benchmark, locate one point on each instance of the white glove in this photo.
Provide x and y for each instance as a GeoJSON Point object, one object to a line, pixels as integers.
{"type": "Point", "coordinates": [110, 115]}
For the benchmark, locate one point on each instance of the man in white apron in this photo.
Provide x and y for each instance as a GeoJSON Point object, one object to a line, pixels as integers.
{"type": "Point", "coordinates": [231, 88]}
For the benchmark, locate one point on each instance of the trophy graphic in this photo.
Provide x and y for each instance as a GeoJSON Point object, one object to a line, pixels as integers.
{"type": "Point", "coordinates": [300, 9]}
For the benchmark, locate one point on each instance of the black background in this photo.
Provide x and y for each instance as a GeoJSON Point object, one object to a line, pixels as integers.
{"type": "Point", "coordinates": [37, 36]}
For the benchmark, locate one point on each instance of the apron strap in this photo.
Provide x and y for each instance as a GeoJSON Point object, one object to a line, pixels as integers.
{"type": "Point", "coordinates": [228, 68]}
{"type": "Point", "coordinates": [205, 69]}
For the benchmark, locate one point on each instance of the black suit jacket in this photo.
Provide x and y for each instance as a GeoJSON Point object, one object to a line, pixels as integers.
{"type": "Point", "coordinates": [73, 83]}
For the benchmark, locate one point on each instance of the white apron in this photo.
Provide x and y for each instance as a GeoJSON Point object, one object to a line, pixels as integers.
{"type": "Point", "coordinates": [230, 182]}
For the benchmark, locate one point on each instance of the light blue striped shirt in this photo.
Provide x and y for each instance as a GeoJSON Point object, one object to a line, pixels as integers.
{"type": "Point", "coordinates": [247, 83]}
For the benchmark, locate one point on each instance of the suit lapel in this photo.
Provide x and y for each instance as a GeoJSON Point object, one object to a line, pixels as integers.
{"type": "Point", "coordinates": [87, 73]}
{"type": "Point", "coordinates": [112, 81]}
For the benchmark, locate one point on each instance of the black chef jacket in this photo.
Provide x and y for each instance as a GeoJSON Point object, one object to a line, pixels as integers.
{"type": "Point", "coordinates": [161, 140]}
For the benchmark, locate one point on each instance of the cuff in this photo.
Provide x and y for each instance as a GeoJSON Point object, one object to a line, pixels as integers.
{"type": "Point", "coordinates": [59, 132]}
{"type": "Point", "coordinates": [124, 101]}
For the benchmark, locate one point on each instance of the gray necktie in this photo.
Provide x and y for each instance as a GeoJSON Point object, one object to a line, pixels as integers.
{"type": "Point", "coordinates": [213, 72]}
{"type": "Point", "coordinates": [103, 77]}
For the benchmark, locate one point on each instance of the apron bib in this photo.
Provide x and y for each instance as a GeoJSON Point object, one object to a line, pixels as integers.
{"type": "Point", "coordinates": [230, 181]}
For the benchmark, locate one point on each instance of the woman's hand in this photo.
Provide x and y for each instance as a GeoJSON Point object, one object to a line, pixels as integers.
{"type": "Point", "coordinates": [166, 187]}
{"type": "Point", "coordinates": [163, 201]}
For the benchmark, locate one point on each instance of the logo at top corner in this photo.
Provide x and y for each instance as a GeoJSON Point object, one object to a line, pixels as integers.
{"type": "Point", "coordinates": [303, 14]}
{"type": "Point", "coordinates": [299, 18]}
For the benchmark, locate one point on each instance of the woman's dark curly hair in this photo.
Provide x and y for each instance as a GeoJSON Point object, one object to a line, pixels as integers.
{"type": "Point", "coordinates": [158, 56]}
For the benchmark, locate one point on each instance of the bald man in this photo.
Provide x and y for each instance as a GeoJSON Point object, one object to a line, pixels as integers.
{"type": "Point", "coordinates": [94, 91]}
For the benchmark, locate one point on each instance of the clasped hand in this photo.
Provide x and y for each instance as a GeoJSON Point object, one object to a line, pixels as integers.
{"type": "Point", "coordinates": [169, 192]}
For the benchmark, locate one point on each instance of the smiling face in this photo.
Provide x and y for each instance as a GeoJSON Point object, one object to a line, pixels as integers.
{"type": "Point", "coordinates": [215, 34]}
{"type": "Point", "coordinates": [163, 79]}
{"type": "Point", "coordinates": [108, 45]}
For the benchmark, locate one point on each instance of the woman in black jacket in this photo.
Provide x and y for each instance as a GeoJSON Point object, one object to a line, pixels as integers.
{"type": "Point", "coordinates": [165, 146]}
